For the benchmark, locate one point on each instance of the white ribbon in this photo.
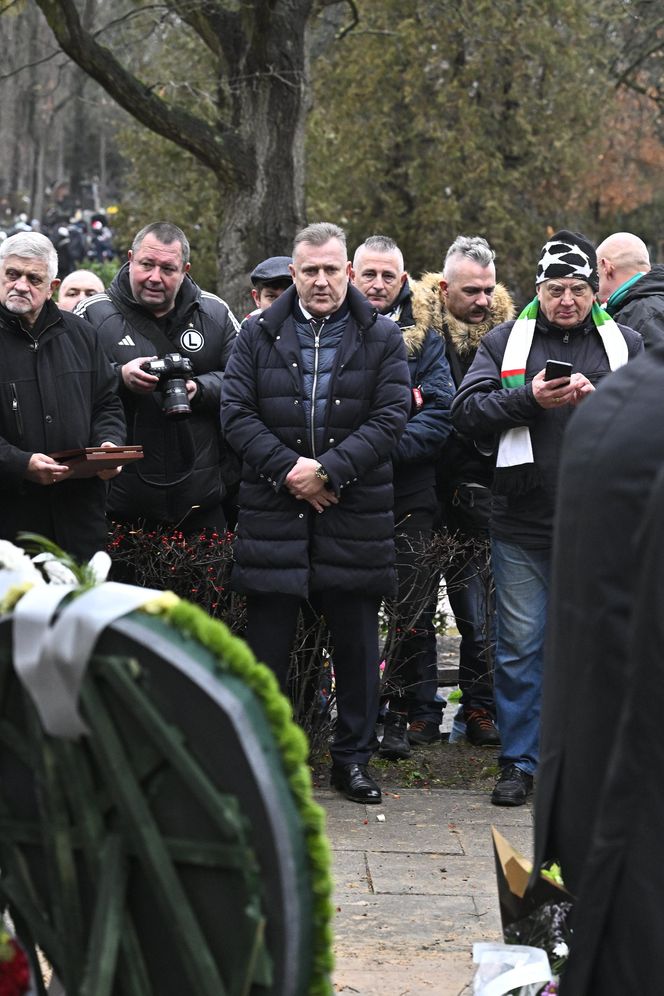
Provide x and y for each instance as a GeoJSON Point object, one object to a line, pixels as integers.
{"type": "Point", "coordinates": [507, 967]}
{"type": "Point", "coordinates": [50, 660]}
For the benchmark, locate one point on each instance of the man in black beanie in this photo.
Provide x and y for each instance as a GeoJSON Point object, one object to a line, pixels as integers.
{"type": "Point", "coordinates": [517, 398]}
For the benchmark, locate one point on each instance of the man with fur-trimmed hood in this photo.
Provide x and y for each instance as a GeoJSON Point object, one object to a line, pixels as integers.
{"type": "Point", "coordinates": [378, 272]}
{"type": "Point", "coordinates": [465, 303]}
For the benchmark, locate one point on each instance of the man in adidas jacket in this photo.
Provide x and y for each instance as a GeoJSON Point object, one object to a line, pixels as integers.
{"type": "Point", "coordinates": [152, 308]}
{"type": "Point", "coordinates": [506, 402]}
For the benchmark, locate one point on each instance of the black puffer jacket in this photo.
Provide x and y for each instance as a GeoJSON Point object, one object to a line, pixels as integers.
{"type": "Point", "coordinates": [283, 545]}
{"type": "Point", "coordinates": [59, 396]}
{"type": "Point", "coordinates": [483, 409]}
{"type": "Point", "coordinates": [642, 308]}
{"type": "Point", "coordinates": [182, 465]}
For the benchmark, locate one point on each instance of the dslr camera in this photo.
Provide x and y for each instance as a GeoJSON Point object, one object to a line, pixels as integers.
{"type": "Point", "coordinates": [173, 371]}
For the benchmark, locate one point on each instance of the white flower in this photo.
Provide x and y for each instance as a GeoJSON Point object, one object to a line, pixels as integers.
{"type": "Point", "coordinates": [15, 559]}
{"type": "Point", "coordinates": [55, 571]}
{"type": "Point", "coordinates": [561, 950]}
{"type": "Point", "coordinates": [99, 566]}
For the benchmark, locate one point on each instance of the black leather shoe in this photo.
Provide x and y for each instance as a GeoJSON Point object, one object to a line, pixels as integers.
{"type": "Point", "coordinates": [395, 745]}
{"type": "Point", "coordinates": [355, 783]}
{"type": "Point", "coordinates": [513, 787]}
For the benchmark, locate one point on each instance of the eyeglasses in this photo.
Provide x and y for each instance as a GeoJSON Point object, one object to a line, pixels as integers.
{"type": "Point", "coordinates": [577, 290]}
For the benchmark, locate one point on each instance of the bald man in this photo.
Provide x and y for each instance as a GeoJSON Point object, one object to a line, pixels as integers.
{"type": "Point", "coordinates": [78, 286]}
{"type": "Point", "coordinates": [632, 288]}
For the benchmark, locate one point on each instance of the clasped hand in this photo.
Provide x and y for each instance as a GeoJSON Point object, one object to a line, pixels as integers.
{"type": "Point", "coordinates": [303, 484]}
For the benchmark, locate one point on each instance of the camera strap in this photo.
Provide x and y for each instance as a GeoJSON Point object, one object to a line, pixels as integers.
{"type": "Point", "coordinates": [187, 451]}
{"type": "Point", "coordinates": [147, 327]}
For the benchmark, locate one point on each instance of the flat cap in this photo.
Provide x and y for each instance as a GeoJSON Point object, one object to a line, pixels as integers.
{"type": "Point", "coordinates": [274, 268]}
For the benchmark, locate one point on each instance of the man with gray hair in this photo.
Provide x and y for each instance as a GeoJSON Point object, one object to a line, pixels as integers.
{"type": "Point", "coordinates": [413, 717]}
{"type": "Point", "coordinates": [468, 303]}
{"type": "Point", "coordinates": [153, 309]}
{"type": "Point", "coordinates": [315, 398]}
{"type": "Point", "coordinates": [632, 289]}
{"type": "Point", "coordinates": [58, 393]}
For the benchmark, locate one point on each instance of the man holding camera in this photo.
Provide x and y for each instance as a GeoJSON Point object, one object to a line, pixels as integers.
{"type": "Point", "coordinates": [169, 341]}
{"type": "Point", "coordinates": [517, 395]}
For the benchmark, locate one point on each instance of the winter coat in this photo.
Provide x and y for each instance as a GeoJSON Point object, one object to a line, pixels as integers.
{"type": "Point", "coordinates": [598, 804]}
{"type": "Point", "coordinates": [642, 308]}
{"type": "Point", "coordinates": [282, 544]}
{"type": "Point", "coordinates": [429, 424]}
{"type": "Point", "coordinates": [183, 457]}
{"type": "Point", "coordinates": [482, 409]}
{"type": "Point", "coordinates": [460, 461]}
{"type": "Point", "coordinates": [57, 396]}
{"type": "Point", "coordinates": [318, 350]}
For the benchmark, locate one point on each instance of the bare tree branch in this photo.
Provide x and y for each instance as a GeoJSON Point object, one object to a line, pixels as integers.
{"type": "Point", "coordinates": [30, 65]}
{"type": "Point", "coordinates": [354, 13]}
{"type": "Point", "coordinates": [211, 146]}
{"type": "Point", "coordinates": [201, 18]}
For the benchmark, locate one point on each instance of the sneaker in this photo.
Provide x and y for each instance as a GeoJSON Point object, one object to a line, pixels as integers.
{"type": "Point", "coordinates": [513, 787]}
{"type": "Point", "coordinates": [423, 731]}
{"type": "Point", "coordinates": [481, 729]}
{"type": "Point", "coordinates": [395, 745]}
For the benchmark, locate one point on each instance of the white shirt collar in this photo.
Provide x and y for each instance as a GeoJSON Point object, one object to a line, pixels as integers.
{"type": "Point", "coordinates": [309, 317]}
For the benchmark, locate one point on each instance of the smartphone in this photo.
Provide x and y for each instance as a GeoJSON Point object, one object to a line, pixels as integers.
{"type": "Point", "coordinates": [556, 368]}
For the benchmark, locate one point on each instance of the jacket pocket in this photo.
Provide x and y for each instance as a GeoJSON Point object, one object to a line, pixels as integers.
{"type": "Point", "coordinates": [16, 408]}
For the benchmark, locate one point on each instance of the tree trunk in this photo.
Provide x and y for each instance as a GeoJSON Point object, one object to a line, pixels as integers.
{"type": "Point", "coordinates": [255, 146]}
{"type": "Point", "coordinates": [37, 192]}
{"type": "Point", "coordinates": [264, 211]}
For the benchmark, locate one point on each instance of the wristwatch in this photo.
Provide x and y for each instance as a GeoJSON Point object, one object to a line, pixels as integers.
{"type": "Point", "coordinates": [322, 474]}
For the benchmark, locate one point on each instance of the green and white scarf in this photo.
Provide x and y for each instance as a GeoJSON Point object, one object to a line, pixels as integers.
{"type": "Point", "coordinates": [515, 466]}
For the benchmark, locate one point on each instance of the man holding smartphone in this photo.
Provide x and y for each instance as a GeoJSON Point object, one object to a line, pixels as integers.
{"type": "Point", "coordinates": [508, 402]}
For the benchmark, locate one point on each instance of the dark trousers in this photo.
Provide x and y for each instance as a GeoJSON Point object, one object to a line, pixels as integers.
{"type": "Point", "coordinates": [408, 678]}
{"type": "Point", "coordinates": [352, 620]}
{"type": "Point", "coordinates": [471, 596]}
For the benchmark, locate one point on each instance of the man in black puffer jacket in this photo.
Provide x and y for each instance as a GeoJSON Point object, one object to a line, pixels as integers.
{"type": "Point", "coordinates": [316, 396]}
{"type": "Point", "coordinates": [151, 309]}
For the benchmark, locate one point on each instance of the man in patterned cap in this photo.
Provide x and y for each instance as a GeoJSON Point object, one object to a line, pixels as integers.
{"type": "Point", "coordinates": [507, 401]}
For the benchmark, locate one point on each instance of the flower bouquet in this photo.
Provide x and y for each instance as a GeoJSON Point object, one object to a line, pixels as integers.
{"type": "Point", "coordinates": [535, 918]}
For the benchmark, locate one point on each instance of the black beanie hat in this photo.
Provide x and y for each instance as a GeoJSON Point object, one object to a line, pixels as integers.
{"type": "Point", "coordinates": [568, 254]}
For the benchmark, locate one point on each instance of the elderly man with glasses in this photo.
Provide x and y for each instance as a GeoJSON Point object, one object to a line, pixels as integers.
{"type": "Point", "coordinates": [526, 379]}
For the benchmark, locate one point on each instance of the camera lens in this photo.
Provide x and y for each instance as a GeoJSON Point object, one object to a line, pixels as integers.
{"type": "Point", "coordinates": [174, 398]}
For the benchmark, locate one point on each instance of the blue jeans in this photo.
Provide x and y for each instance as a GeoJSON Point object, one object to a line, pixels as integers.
{"type": "Point", "coordinates": [470, 592]}
{"type": "Point", "coordinates": [522, 593]}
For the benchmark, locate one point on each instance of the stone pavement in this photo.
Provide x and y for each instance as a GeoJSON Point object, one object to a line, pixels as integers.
{"type": "Point", "coordinates": [414, 891]}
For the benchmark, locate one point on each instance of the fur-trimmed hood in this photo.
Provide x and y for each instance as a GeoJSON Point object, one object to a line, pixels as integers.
{"type": "Point", "coordinates": [429, 312]}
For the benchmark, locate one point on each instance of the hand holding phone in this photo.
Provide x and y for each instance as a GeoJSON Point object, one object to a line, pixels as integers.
{"type": "Point", "coordinates": [557, 368]}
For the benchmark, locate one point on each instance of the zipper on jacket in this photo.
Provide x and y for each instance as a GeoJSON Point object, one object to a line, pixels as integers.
{"type": "Point", "coordinates": [314, 385]}
{"type": "Point", "coordinates": [17, 411]}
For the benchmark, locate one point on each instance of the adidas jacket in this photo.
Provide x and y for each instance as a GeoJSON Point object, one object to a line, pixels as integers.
{"type": "Point", "coordinates": [181, 470]}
